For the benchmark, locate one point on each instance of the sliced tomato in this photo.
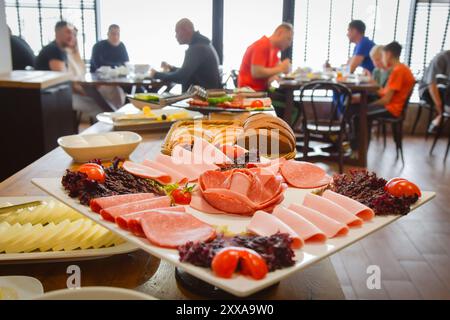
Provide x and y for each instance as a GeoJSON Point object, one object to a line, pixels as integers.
{"type": "Point", "coordinates": [225, 263]}
{"type": "Point", "coordinates": [93, 171]}
{"type": "Point", "coordinates": [257, 104]}
{"type": "Point", "coordinates": [403, 188]}
{"type": "Point", "coordinates": [253, 265]}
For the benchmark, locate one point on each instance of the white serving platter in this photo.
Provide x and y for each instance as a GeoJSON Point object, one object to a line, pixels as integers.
{"type": "Point", "coordinates": [238, 285]}
{"type": "Point", "coordinates": [54, 256]}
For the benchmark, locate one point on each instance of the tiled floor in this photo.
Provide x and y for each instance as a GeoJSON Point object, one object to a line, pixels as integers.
{"type": "Point", "coordinates": [414, 252]}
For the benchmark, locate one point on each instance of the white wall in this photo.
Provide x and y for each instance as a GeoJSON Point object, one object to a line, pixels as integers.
{"type": "Point", "coordinates": [5, 50]}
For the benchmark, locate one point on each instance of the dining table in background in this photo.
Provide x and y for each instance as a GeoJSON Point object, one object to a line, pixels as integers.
{"type": "Point", "coordinates": [91, 82]}
{"type": "Point", "coordinates": [139, 270]}
{"type": "Point", "coordinates": [288, 87]}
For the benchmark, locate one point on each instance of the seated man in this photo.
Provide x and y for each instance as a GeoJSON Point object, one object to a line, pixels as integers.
{"type": "Point", "coordinates": [398, 87]}
{"type": "Point", "coordinates": [428, 88]}
{"type": "Point", "coordinates": [111, 52]}
{"type": "Point", "coordinates": [361, 54]}
{"type": "Point", "coordinates": [261, 63]}
{"type": "Point", "coordinates": [380, 73]}
{"type": "Point", "coordinates": [201, 62]}
{"type": "Point", "coordinates": [53, 57]}
{"type": "Point", "coordinates": [21, 53]}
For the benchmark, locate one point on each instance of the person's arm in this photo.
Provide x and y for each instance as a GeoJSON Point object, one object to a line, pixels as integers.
{"type": "Point", "coordinates": [192, 60]}
{"type": "Point", "coordinates": [125, 56]}
{"type": "Point", "coordinates": [57, 65]}
{"type": "Point", "coordinates": [94, 59]}
{"type": "Point", "coordinates": [260, 72]}
{"type": "Point", "coordinates": [435, 96]}
{"type": "Point", "coordinates": [354, 62]}
{"type": "Point", "coordinates": [385, 99]}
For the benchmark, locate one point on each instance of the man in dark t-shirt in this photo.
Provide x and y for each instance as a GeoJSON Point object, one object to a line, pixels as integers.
{"type": "Point", "coordinates": [111, 52]}
{"type": "Point", "coordinates": [21, 53]}
{"type": "Point", "coordinates": [53, 56]}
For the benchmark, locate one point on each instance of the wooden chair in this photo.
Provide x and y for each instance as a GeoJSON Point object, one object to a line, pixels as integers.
{"type": "Point", "coordinates": [396, 126]}
{"type": "Point", "coordinates": [326, 124]}
{"type": "Point", "coordinates": [445, 120]}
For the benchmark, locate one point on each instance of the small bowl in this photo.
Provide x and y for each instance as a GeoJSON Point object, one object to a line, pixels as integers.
{"type": "Point", "coordinates": [95, 293]}
{"type": "Point", "coordinates": [103, 146]}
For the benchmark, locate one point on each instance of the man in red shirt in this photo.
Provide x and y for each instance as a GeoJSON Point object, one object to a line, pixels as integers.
{"type": "Point", "coordinates": [261, 63]}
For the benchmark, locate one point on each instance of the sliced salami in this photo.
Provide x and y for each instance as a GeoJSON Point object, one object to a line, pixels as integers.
{"type": "Point", "coordinates": [304, 175]}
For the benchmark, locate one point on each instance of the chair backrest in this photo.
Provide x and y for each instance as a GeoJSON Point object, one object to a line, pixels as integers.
{"type": "Point", "coordinates": [327, 111]}
{"type": "Point", "coordinates": [406, 104]}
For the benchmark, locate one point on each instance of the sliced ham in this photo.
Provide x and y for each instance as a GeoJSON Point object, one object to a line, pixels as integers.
{"type": "Point", "coordinates": [305, 229]}
{"type": "Point", "coordinates": [331, 209]}
{"type": "Point", "coordinates": [330, 227]}
{"type": "Point", "coordinates": [304, 175]}
{"type": "Point", "coordinates": [266, 224]}
{"type": "Point", "coordinates": [230, 201]}
{"type": "Point", "coordinates": [208, 153]}
{"type": "Point", "coordinates": [106, 202]}
{"type": "Point", "coordinates": [183, 161]}
{"type": "Point", "coordinates": [350, 205]}
{"type": "Point", "coordinates": [111, 213]}
{"type": "Point", "coordinates": [200, 204]}
{"type": "Point", "coordinates": [170, 230]}
{"type": "Point", "coordinates": [132, 222]}
{"type": "Point", "coordinates": [146, 172]}
{"type": "Point", "coordinates": [175, 175]}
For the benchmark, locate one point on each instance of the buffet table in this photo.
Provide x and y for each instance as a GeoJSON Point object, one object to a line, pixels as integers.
{"type": "Point", "coordinates": [144, 272]}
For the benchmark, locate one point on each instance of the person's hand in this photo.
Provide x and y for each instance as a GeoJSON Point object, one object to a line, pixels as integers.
{"type": "Point", "coordinates": [285, 66]}
{"type": "Point", "coordinates": [165, 66]}
{"type": "Point", "coordinates": [152, 73]}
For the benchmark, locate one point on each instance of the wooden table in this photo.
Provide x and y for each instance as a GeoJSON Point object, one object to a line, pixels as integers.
{"type": "Point", "coordinates": [139, 270]}
{"type": "Point", "coordinates": [92, 82]}
{"type": "Point", "coordinates": [289, 86]}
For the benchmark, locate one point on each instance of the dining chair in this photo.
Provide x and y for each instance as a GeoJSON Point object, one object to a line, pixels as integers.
{"type": "Point", "coordinates": [440, 131]}
{"type": "Point", "coordinates": [396, 127]}
{"type": "Point", "coordinates": [322, 120]}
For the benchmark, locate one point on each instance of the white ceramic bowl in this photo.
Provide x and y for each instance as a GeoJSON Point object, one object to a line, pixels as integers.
{"type": "Point", "coordinates": [95, 293]}
{"type": "Point", "coordinates": [103, 146]}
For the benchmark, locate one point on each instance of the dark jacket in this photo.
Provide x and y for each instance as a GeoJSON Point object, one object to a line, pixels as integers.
{"type": "Point", "coordinates": [200, 66]}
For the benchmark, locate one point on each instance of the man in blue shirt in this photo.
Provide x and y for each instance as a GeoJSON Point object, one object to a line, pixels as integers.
{"type": "Point", "coordinates": [361, 53]}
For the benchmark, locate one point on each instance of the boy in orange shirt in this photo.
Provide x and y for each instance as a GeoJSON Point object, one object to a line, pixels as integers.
{"type": "Point", "coordinates": [398, 87]}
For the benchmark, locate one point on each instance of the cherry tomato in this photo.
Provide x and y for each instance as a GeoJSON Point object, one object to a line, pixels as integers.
{"type": "Point", "coordinates": [225, 263]}
{"type": "Point", "coordinates": [93, 171]}
{"type": "Point", "coordinates": [181, 196]}
{"type": "Point", "coordinates": [252, 264]}
{"type": "Point", "coordinates": [403, 188]}
{"type": "Point", "coordinates": [257, 104]}
{"type": "Point", "coordinates": [394, 180]}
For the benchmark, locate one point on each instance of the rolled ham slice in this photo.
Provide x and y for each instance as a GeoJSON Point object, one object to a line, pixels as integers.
{"type": "Point", "coordinates": [353, 206]}
{"type": "Point", "coordinates": [146, 172]}
{"type": "Point", "coordinates": [266, 224]}
{"type": "Point", "coordinates": [106, 202]}
{"type": "Point", "coordinates": [304, 175]}
{"type": "Point", "coordinates": [132, 222]}
{"type": "Point", "coordinates": [176, 176]}
{"type": "Point", "coordinates": [171, 230]}
{"type": "Point", "coordinates": [332, 210]}
{"type": "Point", "coordinates": [330, 227]}
{"type": "Point", "coordinates": [304, 228]}
{"type": "Point", "coordinates": [110, 214]}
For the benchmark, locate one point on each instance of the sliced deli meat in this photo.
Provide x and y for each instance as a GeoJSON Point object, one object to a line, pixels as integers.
{"type": "Point", "coordinates": [266, 224]}
{"type": "Point", "coordinates": [111, 213]}
{"type": "Point", "coordinates": [304, 175]}
{"type": "Point", "coordinates": [331, 209]}
{"type": "Point", "coordinates": [186, 162]}
{"type": "Point", "coordinates": [98, 204]}
{"type": "Point", "coordinates": [176, 175]}
{"type": "Point", "coordinates": [140, 170]}
{"type": "Point", "coordinates": [350, 205]}
{"type": "Point", "coordinates": [303, 227]}
{"type": "Point", "coordinates": [170, 230]}
{"type": "Point", "coordinates": [330, 227]}
{"type": "Point", "coordinates": [209, 153]}
{"type": "Point", "coordinates": [132, 221]}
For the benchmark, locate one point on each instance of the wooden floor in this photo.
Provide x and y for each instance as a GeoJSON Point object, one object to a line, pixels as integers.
{"type": "Point", "coordinates": [414, 252]}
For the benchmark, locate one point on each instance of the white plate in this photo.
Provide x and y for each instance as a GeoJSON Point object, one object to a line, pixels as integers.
{"type": "Point", "coordinates": [239, 285]}
{"type": "Point", "coordinates": [103, 146]}
{"type": "Point", "coordinates": [20, 288]}
{"type": "Point", "coordinates": [95, 293]}
{"type": "Point", "coordinates": [50, 256]}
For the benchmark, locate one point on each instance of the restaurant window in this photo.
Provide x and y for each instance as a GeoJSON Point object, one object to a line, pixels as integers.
{"type": "Point", "coordinates": [321, 27]}
{"type": "Point", "coordinates": [244, 23]}
{"type": "Point", "coordinates": [24, 15]}
{"type": "Point", "coordinates": [148, 27]}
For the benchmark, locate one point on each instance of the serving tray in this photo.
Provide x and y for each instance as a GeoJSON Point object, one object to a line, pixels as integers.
{"type": "Point", "coordinates": [238, 285]}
